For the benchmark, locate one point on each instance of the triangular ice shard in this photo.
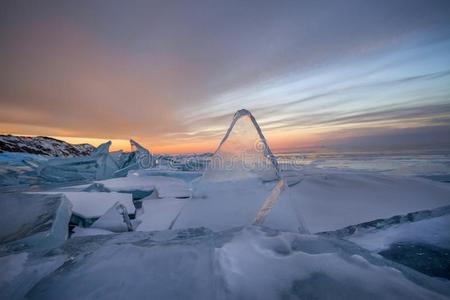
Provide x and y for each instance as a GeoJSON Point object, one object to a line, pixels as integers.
{"type": "Point", "coordinates": [243, 153]}
{"type": "Point", "coordinates": [106, 164]}
{"type": "Point", "coordinates": [138, 158]}
{"type": "Point", "coordinates": [144, 158]}
{"type": "Point", "coordinates": [241, 185]}
{"type": "Point", "coordinates": [102, 149]}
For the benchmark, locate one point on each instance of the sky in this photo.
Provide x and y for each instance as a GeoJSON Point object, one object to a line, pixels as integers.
{"type": "Point", "coordinates": [171, 74]}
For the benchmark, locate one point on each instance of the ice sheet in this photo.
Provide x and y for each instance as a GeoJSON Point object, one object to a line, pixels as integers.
{"type": "Point", "coordinates": [433, 231]}
{"type": "Point", "coordinates": [335, 200]}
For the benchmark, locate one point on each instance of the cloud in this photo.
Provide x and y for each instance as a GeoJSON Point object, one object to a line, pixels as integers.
{"type": "Point", "coordinates": [174, 72]}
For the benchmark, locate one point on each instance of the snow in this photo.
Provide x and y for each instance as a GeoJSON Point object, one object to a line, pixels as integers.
{"type": "Point", "coordinates": [249, 263]}
{"type": "Point", "coordinates": [335, 200]}
{"type": "Point", "coordinates": [33, 220]}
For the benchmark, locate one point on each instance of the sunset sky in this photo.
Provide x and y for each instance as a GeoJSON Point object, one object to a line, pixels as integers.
{"type": "Point", "coordinates": [171, 74]}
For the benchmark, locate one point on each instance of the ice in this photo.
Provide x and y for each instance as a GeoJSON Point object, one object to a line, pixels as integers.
{"type": "Point", "coordinates": [68, 169]}
{"type": "Point", "coordinates": [158, 214]}
{"type": "Point", "coordinates": [21, 271]}
{"type": "Point", "coordinates": [167, 187]}
{"type": "Point", "coordinates": [163, 185]}
{"type": "Point", "coordinates": [419, 240]}
{"type": "Point", "coordinates": [101, 164]}
{"type": "Point", "coordinates": [423, 245]}
{"type": "Point", "coordinates": [327, 269]}
{"type": "Point", "coordinates": [433, 231]}
{"type": "Point", "coordinates": [241, 185]}
{"type": "Point", "coordinates": [102, 149]}
{"type": "Point", "coordinates": [90, 206]}
{"type": "Point", "coordinates": [96, 187]}
{"type": "Point", "coordinates": [139, 158]}
{"type": "Point", "coordinates": [93, 205]}
{"type": "Point", "coordinates": [34, 220]}
{"type": "Point", "coordinates": [16, 173]}
{"type": "Point", "coordinates": [333, 200]}
{"type": "Point", "coordinates": [186, 176]}
{"type": "Point", "coordinates": [143, 157]}
{"type": "Point", "coordinates": [128, 184]}
{"type": "Point", "coordinates": [115, 219]}
{"type": "Point", "coordinates": [106, 164]}
{"type": "Point", "coordinates": [243, 153]}
{"type": "Point", "coordinates": [82, 231]}
{"type": "Point", "coordinates": [249, 263]}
